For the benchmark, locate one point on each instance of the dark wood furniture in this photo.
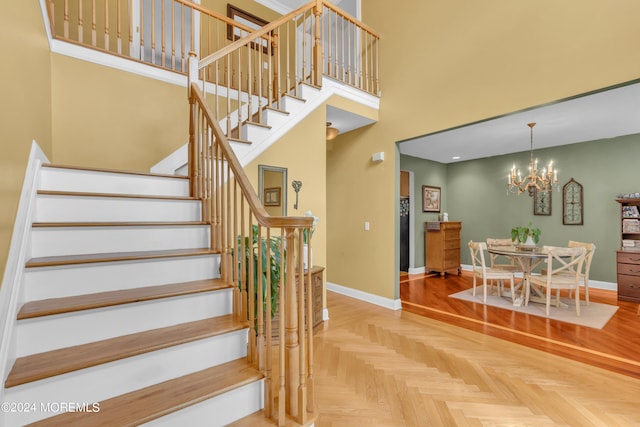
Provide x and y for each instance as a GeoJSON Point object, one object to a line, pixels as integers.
{"type": "Point", "coordinates": [442, 246]}
{"type": "Point", "coordinates": [628, 257]}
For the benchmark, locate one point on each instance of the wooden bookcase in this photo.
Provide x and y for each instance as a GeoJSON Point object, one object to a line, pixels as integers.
{"type": "Point", "coordinates": [442, 246]}
{"type": "Point", "coordinates": [628, 257]}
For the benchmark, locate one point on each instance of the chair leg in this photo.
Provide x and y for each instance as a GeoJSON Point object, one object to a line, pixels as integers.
{"type": "Point", "coordinates": [474, 285]}
{"type": "Point", "coordinates": [484, 290]}
{"type": "Point", "coordinates": [586, 291]}
{"type": "Point", "coordinates": [548, 300]}
{"type": "Point", "coordinates": [577, 299]}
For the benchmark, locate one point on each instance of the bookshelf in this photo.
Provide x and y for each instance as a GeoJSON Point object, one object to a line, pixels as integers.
{"type": "Point", "coordinates": [628, 256]}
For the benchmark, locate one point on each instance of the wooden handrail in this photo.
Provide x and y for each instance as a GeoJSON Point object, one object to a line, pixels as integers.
{"type": "Point", "coordinates": [256, 205]}
{"type": "Point", "coordinates": [261, 33]}
{"type": "Point", "coordinates": [350, 18]}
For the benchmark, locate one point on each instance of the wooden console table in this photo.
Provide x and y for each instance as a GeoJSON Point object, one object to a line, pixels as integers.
{"type": "Point", "coordinates": [442, 246]}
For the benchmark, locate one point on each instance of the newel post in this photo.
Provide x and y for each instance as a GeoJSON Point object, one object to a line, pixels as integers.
{"type": "Point", "coordinates": [292, 357]}
{"type": "Point", "coordinates": [317, 46]}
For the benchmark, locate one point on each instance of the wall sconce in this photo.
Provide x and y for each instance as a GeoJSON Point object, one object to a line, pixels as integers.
{"type": "Point", "coordinates": [331, 132]}
{"type": "Point", "coordinates": [297, 185]}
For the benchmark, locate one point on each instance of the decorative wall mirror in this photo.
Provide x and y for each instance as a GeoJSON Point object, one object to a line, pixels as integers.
{"type": "Point", "coordinates": [572, 203]}
{"type": "Point", "coordinates": [272, 189]}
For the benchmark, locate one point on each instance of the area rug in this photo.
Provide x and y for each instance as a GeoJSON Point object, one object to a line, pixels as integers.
{"type": "Point", "coordinates": [594, 315]}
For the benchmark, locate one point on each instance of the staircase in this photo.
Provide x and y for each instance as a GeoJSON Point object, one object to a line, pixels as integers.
{"type": "Point", "coordinates": [124, 319]}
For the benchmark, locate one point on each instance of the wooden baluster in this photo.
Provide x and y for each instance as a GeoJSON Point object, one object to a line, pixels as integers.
{"type": "Point", "coordinates": [292, 361]}
{"type": "Point", "coordinates": [277, 88]}
{"type": "Point", "coordinates": [106, 25]}
{"type": "Point", "coordinates": [259, 307]}
{"type": "Point", "coordinates": [80, 23]}
{"type": "Point", "coordinates": [119, 28]}
{"type": "Point", "coordinates": [310, 301]}
{"type": "Point", "coordinates": [237, 295]}
{"type": "Point", "coordinates": [282, 391]}
{"type": "Point", "coordinates": [288, 50]}
{"type": "Point", "coordinates": [268, 392]}
{"type": "Point", "coordinates": [250, 74]}
{"type": "Point", "coordinates": [318, 48]}
{"type": "Point", "coordinates": [65, 25]}
{"type": "Point", "coordinates": [173, 36]}
{"type": "Point", "coordinates": [252, 294]}
{"type": "Point", "coordinates": [302, 385]}
{"type": "Point", "coordinates": [142, 17]}
{"type": "Point", "coordinates": [228, 59]}
{"type": "Point", "coordinates": [153, 31]}
{"type": "Point", "coordinates": [162, 35]}
{"type": "Point", "coordinates": [244, 298]}
{"type": "Point", "coordinates": [131, 49]}
{"type": "Point", "coordinates": [93, 24]}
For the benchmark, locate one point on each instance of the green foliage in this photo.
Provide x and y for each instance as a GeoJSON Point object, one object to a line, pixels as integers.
{"type": "Point", "coordinates": [251, 252]}
{"type": "Point", "coordinates": [520, 234]}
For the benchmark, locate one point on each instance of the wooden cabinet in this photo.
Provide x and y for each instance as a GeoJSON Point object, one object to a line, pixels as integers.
{"type": "Point", "coordinates": [317, 273]}
{"type": "Point", "coordinates": [442, 246]}
{"type": "Point", "coordinates": [628, 256]}
{"type": "Point", "coordinates": [404, 184]}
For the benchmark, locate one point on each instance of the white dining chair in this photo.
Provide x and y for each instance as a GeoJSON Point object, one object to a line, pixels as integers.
{"type": "Point", "coordinates": [498, 261]}
{"type": "Point", "coordinates": [562, 271]}
{"type": "Point", "coordinates": [482, 271]}
{"type": "Point", "coordinates": [586, 266]}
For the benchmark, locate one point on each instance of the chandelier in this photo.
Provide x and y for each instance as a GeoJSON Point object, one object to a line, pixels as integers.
{"type": "Point", "coordinates": [533, 182]}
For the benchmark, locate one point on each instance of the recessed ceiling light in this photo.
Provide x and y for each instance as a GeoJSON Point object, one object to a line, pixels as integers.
{"type": "Point", "coordinates": [456, 157]}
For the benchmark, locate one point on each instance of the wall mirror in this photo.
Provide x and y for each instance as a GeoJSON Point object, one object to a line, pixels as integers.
{"type": "Point", "coordinates": [272, 189]}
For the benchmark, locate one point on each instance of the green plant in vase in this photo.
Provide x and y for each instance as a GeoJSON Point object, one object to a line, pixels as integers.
{"type": "Point", "coordinates": [525, 235]}
{"type": "Point", "coordinates": [251, 255]}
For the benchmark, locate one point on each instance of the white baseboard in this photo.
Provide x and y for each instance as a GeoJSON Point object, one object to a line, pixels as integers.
{"type": "Point", "coordinates": [419, 270]}
{"type": "Point", "coordinates": [325, 314]}
{"type": "Point", "coordinates": [365, 296]}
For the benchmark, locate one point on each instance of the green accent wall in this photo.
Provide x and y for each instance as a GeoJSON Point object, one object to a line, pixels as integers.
{"type": "Point", "coordinates": [476, 195]}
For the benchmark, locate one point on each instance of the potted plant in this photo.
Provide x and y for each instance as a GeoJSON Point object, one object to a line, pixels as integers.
{"type": "Point", "coordinates": [529, 235]}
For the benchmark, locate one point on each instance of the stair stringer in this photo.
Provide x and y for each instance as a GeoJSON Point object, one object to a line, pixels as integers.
{"type": "Point", "coordinates": [176, 162]}
{"type": "Point", "coordinates": [14, 269]}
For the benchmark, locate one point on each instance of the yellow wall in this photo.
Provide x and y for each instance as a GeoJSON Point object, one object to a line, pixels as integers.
{"type": "Point", "coordinates": [103, 117]}
{"type": "Point", "coordinates": [302, 152]}
{"type": "Point", "coordinates": [25, 104]}
{"type": "Point", "coordinates": [444, 64]}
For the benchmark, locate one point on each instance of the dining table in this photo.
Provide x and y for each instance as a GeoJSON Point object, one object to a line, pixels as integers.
{"type": "Point", "coordinates": [528, 258]}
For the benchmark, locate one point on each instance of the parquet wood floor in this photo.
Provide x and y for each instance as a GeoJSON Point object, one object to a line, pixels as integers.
{"type": "Point", "coordinates": [448, 365]}
{"type": "Point", "coordinates": [376, 367]}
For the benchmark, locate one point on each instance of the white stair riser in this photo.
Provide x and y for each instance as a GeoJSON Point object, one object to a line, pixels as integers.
{"type": "Point", "coordinates": [63, 330]}
{"type": "Point", "coordinates": [308, 93]}
{"type": "Point", "coordinates": [58, 241]}
{"type": "Point", "coordinates": [291, 105]}
{"type": "Point", "coordinates": [251, 132]}
{"type": "Point", "coordinates": [275, 119]}
{"type": "Point", "coordinates": [122, 376]}
{"type": "Point", "coordinates": [61, 179]}
{"type": "Point", "coordinates": [56, 208]}
{"type": "Point", "coordinates": [217, 411]}
{"type": "Point", "coordinates": [63, 281]}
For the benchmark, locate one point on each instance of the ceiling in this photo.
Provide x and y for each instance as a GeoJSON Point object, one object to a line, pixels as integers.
{"type": "Point", "coordinates": [597, 115]}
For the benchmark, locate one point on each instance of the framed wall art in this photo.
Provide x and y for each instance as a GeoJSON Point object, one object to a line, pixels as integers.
{"type": "Point", "coordinates": [430, 199]}
{"type": "Point", "coordinates": [572, 203]}
{"type": "Point", "coordinates": [542, 202]}
{"type": "Point", "coordinates": [272, 196]}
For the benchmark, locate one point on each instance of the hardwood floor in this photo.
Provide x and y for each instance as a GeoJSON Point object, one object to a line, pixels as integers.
{"type": "Point", "coordinates": [616, 347]}
{"type": "Point", "coordinates": [453, 365]}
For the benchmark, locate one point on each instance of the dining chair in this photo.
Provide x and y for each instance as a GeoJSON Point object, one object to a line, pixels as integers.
{"type": "Point", "coordinates": [584, 274]}
{"type": "Point", "coordinates": [586, 267]}
{"type": "Point", "coordinates": [562, 271]}
{"type": "Point", "coordinates": [480, 270]}
{"type": "Point", "coordinates": [498, 261]}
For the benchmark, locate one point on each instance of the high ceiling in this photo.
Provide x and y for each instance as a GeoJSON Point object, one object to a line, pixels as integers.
{"type": "Point", "coordinates": [598, 115]}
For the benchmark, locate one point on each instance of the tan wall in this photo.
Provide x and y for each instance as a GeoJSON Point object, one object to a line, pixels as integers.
{"type": "Point", "coordinates": [444, 64]}
{"type": "Point", "coordinates": [104, 117]}
{"type": "Point", "coordinates": [302, 152]}
{"type": "Point", "coordinates": [25, 104]}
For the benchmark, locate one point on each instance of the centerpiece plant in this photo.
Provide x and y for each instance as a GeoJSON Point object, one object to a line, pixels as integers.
{"type": "Point", "coordinates": [522, 234]}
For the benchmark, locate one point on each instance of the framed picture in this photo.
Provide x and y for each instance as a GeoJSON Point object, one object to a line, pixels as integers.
{"type": "Point", "coordinates": [572, 203]}
{"type": "Point", "coordinates": [248, 20]}
{"type": "Point", "coordinates": [430, 199]}
{"type": "Point", "coordinates": [272, 196]}
{"type": "Point", "coordinates": [542, 202]}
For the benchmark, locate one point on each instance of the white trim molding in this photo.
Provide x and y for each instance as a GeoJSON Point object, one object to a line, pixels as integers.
{"type": "Point", "coordinates": [365, 296]}
{"type": "Point", "coordinates": [16, 260]}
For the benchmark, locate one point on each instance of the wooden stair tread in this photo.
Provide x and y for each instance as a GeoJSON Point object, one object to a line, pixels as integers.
{"type": "Point", "coordinates": [117, 256]}
{"type": "Point", "coordinates": [120, 195]}
{"type": "Point", "coordinates": [242, 141]}
{"type": "Point", "coordinates": [161, 399]}
{"type": "Point", "coordinates": [119, 224]}
{"type": "Point", "coordinates": [57, 362]}
{"type": "Point", "coordinates": [69, 304]}
{"type": "Point", "coordinates": [106, 170]}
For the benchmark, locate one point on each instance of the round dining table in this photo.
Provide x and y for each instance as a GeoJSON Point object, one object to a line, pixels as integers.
{"type": "Point", "coordinates": [528, 258]}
